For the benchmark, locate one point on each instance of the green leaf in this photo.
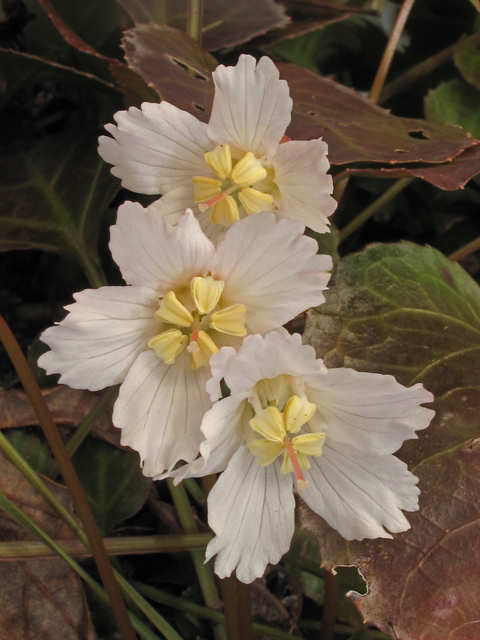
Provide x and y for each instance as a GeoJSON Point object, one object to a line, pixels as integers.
{"type": "Point", "coordinates": [455, 102]}
{"type": "Point", "coordinates": [225, 24]}
{"type": "Point", "coordinates": [467, 58]}
{"type": "Point", "coordinates": [29, 447]}
{"type": "Point", "coordinates": [408, 311]}
{"type": "Point", "coordinates": [112, 480]}
{"type": "Point", "coordinates": [54, 196]}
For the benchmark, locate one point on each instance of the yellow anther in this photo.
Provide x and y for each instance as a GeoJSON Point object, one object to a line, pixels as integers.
{"type": "Point", "coordinates": [172, 311]}
{"type": "Point", "coordinates": [206, 188]}
{"type": "Point", "coordinates": [298, 412]}
{"type": "Point", "coordinates": [248, 171]}
{"type": "Point", "coordinates": [220, 160]}
{"type": "Point", "coordinates": [206, 292]}
{"type": "Point", "coordinates": [230, 320]}
{"type": "Point", "coordinates": [311, 444]}
{"type": "Point", "coordinates": [269, 424]}
{"type": "Point", "coordinates": [168, 345]}
{"type": "Point", "coordinates": [265, 451]}
{"type": "Point", "coordinates": [255, 201]}
{"type": "Point", "coordinates": [206, 349]}
{"type": "Point", "coordinates": [288, 466]}
{"type": "Point", "coordinates": [225, 212]}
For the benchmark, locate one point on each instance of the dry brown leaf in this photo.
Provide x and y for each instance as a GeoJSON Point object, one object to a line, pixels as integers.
{"type": "Point", "coordinates": [41, 599]}
{"type": "Point", "coordinates": [69, 407]}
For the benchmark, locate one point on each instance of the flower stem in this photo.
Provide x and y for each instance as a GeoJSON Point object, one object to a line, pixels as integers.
{"type": "Point", "coordinates": [390, 50]}
{"type": "Point", "coordinates": [422, 69]}
{"type": "Point", "coordinates": [156, 619]}
{"type": "Point", "coordinates": [73, 484]}
{"type": "Point", "coordinates": [195, 19]}
{"type": "Point", "coordinates": [367, 213]}
{"type": "Point", "coordinates": [203, 571]}
{"type": "Point", "coordinates": [92, 270]}
{"type": "Point", "coordinates": [84, 429]}
{"type": "Point", "coordinates": [244, 604]}
{"type": "Point", "coordinates": [114, 546]}
{"type": "Point", "coordinates": [190, 607]}
{"type": "Point", "coordinates": [465, 251]}
{"type": "Point", "coordinates": [330, 601]}
{"type": "Point", "coordinates": [228, 587]}
{"type": "Point", "coordinates": [22, 519]}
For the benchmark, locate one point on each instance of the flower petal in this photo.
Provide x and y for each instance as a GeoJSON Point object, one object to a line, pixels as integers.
{"type": "Point", "coordinates": [101, 337]}
{"type": "Point", "coordinates": [359, 494]}
{"type": "Point", "coordinates": [152, 253]}
{"type": "Point", "coordinates": [157, 148]}
{"type": "Point", "coordinates": [271, 268]}
{"type": "Point", "coordinates": [160, 408]}
{"type": "Point", "coordinates": [268, 357]}
{"type": "Point", "coordinates": [305, 188]}
{"type": "Point", "coordinates": [251, 509]}
{"type": "Point", "coordinates": [172, 207]}
{"type": "Point", "coordinates": [252, 106]}
{"type": "Point", "coordinates": [369, 411]}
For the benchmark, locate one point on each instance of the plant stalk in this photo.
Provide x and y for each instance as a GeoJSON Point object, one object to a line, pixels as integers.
{"type": "Point", "coordinates": [390, 50]}
{"type": "Point", "coordinates": [330, 602]}
{"type": "Point", "coordinates": [195, 19]}
{"type": "Point", "coordinates": [71, 479]}
{"type": "Point", "coordinates": [465, 251]}
{"type": "Point", "coordinates": [367, 213]}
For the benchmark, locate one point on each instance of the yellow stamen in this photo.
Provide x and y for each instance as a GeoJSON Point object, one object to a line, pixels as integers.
{"type": "Point", "coordinates": [172, 311]}
{"type": "Point", "coordinates": [206, 292]}
{"type": "Point", "coordinates": [225, 212]}
{"type": "Point", "coordinates": [230, 320]}
{"type": "Point", "coordinates": [206, 349]}
{"type": "Point", "coordinates": [265, 451]}
{"type": "Point", "coordinates": [311, 444]}
{"type": "Point", "coordinates": [220, 160]}
{"type": "Point", "coordinates": [168, 345]}
{"type": "Point", "coordinates": [248, 171]}
{"type": "Point", "coordinates": [297, 413]}
{"type": "Point", "coordinates": [205, 188]}
{"type": "Point", "coordinates": [255, 201]}
{"type": "Point", "coordinates": [269, 424]}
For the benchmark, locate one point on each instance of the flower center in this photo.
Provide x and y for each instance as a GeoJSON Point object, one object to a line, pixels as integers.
{"type": "Point", "coordinates": [243, 182]}
{"type": "Point", "coordinates": [275, 428]}
{"type": "Point", "coordinates": [197, 314]}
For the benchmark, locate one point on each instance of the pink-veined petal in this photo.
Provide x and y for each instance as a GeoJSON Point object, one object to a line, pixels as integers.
{"type": "Point", "coordinates": [360, 494]}
{"type": "Point", "coordinates": [369, 411]}
{"type": "Point", "coordinates": [160, 408]}
{"type": "Point", "coordinates": [251, 509]}
{"type": "Point", "coordinates": [101, 337]}
{"type": "Point", "coordinates": [252, 106]}
{"type": "Point", "coordinates": [304, 185]}
{"type": "Point", "coordinates": [271, 268]}
{"type": "Point", "coordinates": [150, 252]}
{"type": "Point", "coordinates": [156, 148]}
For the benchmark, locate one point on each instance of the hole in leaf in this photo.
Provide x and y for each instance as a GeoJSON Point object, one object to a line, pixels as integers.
{"type": "Point", "coordinates": [312, 113]}
{"type": "Point", "coordinates": [190, 70]}
{"type": "Point", "coordinates": [400, 151]}
{"type": "Point", "coordinates": [198, 106]}
{"type": "Point", "coordinates": [418, 135]}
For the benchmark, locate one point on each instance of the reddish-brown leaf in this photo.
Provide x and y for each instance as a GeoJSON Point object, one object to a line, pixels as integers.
{"type": "Point", "coordinates": [41, 599]}
{"type": "Point", "coordinates": [357, 130]}
{"type": "Point", "coordinates": [225, 23]}
{"type": "Point", "coordinates": [173, 64]}
{"type": "Point", "coordinates": [448, 176]}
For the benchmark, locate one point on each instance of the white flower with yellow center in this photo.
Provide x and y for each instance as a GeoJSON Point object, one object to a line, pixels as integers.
{"type": "Point", "coordinates": [291, 422]}
{"type": "Point", "coordinates": [185, 301]}
{"type": "Point", "coordinates": [236, 165]}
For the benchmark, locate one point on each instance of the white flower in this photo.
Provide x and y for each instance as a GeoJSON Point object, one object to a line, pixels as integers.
{"type": "Point", "coordinates": [186, 299]}
{"type": "Point", "coordinates": [290, 422]}
{"type": "Point", "coordinates": [235, 165]}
